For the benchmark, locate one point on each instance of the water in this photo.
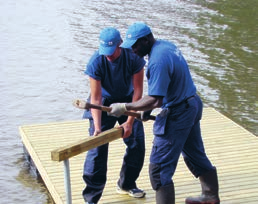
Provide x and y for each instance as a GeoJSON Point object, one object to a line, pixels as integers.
{"type": "Point", "coordinates": [45, 45]}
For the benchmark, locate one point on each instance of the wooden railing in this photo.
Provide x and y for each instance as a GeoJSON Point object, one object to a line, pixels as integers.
{"type": "Point", "coordinates": [78, 147]}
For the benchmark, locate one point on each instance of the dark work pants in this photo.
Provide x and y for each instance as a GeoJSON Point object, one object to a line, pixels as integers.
{"type": "Point", "coordinates": [95, 166]}
{"type": "Point", "coordinates": [181, 134]}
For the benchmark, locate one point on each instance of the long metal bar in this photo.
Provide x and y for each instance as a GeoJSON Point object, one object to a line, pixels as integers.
{"type": "Point", "coordinates": [68, 192]}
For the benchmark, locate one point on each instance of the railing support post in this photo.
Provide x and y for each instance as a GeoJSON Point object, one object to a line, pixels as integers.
{"type": "Point", "coordinates": [68, 192]}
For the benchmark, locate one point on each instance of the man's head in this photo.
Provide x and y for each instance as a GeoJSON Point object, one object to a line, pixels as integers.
{"type": "Point", "coordinates": [109, 39]}
{"type": "Point", "coordinates": [139, 37]}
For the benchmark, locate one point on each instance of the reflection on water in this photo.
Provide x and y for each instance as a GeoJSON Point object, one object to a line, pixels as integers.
{"type": "Point", "coordinates": [231, 42]}
{"type": "Point", "coordinates": [45, 45]}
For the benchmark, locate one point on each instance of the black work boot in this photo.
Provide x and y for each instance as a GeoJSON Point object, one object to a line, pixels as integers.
{"type": "Point", "coordinates": [165, 194]}
{"type": "Point", "coordinates": [210, 190]}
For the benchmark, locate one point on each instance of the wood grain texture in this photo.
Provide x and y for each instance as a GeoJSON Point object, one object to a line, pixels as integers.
{"type": "Point", "coordinates": [73, 149]}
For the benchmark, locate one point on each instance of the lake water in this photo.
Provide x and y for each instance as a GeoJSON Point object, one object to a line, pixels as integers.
{"type": "Point", "coordinates": [45, 45]}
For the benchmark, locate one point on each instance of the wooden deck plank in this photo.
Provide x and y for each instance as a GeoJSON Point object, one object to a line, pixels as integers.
{"type": "Point", "coordinates": [231, 148]}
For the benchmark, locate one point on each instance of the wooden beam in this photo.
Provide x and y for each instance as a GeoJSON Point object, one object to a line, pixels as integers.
{"type": "Point", "coordinates": [86, 144]}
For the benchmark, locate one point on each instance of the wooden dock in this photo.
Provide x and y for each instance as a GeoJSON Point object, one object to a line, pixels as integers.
{"type": "Point", "coordinates": [231, 148]}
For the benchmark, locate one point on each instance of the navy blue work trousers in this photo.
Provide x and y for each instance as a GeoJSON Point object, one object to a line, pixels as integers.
{"type": "Point", "coordinates": [95, 166]}
{"type": "Point", "coordinates": [178, 131]}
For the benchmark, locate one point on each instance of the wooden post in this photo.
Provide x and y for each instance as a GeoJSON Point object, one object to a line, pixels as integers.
{"type": "Point", "coordinates": [86, 144]}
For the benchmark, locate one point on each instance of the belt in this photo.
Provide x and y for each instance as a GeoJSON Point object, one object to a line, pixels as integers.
{"type": "Point", "coordinates": [182, 102]}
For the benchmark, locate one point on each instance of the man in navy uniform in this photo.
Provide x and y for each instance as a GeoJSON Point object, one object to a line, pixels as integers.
{"type": "Point", "coordinates": [177, 127]}
{"type": "Point", "coordinates": [115, 75]}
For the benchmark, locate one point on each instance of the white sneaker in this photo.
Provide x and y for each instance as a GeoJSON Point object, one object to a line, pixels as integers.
{"type": "Point", "coordinates": [135, 192]}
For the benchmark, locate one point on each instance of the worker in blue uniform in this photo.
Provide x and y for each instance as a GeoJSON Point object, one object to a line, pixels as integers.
{"type": "Point", "coordinates": [177, 127]}
{"type": "Point", "coordinates": [115, 75]}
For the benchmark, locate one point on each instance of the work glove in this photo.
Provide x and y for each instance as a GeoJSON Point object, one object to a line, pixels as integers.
{"type": "Point", "coordinates": [78, 103]}
{"type": "Point", "coordinates": [117, 110]}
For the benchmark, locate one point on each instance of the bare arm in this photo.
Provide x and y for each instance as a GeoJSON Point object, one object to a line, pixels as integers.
{"type": "Point", "coordinates": [145, 104]}
{"type": "Point", "coordinates": [138, 90]}
{"type": "Point", "coordinates": [96, 98]}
